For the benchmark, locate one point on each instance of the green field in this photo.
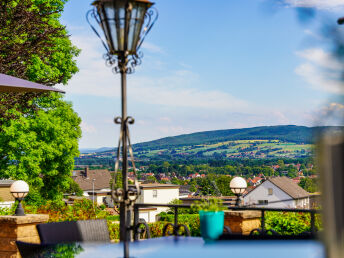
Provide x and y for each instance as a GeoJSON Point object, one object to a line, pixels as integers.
{"type": "Point", "coordinates": [235, 149]}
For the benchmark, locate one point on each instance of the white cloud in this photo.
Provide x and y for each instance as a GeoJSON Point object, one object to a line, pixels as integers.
{"type": "Point", "coordinates": [152, 48]}
{"type": "Point", "coordinates": [87, 128]}
{"type": "Point", "coordinates": [329, 114]}
{"type": "Point", "coordinates": [174, 89]}
{"type": "Point", "coordinates": [173, 130]}
{"type": "Point", "coordinates": [165, 119]}
{"type": "Point", "coordinates": [320, 4]}
{"type": "Point", "coordinates": [321, 70]}
{"type": "Point", "coordinates": [321, 58]}
{"type": "Point", "coordinates": [313, 34]}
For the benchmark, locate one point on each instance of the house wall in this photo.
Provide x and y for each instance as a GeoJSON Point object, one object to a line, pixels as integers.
{"type": "Point", "coordinates": [6, 198]}
{"type": "Point", "coordinates": [99, 199]}
{"type": "Point", "coordinates": [164, 196]}
{"type": "Point", "coordinates": [6, 204]}
{"type": "Point", "coordinates": [5, 194]}
{"type": "Point", "coordinates": [261, 193]}
{"type": "Point", "coordinates": [148, 216]}
{"type": "Point", "coordinates": [302, 203]}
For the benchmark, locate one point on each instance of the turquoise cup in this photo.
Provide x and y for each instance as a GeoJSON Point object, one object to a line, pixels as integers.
{"type": "Point", "coordinates": [211, 224]}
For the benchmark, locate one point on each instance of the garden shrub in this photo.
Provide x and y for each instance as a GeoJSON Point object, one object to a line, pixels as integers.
{"type": "Point", "coordinates": [190, 220]}
{"type": "Point", "coordinates": [58, 211]}
{"type": "Point", "coordinates": [290, 223]}
{"type": "Point", "coordinates": [113, 230]}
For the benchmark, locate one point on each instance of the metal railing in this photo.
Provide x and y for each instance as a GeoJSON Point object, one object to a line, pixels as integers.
{"type": "Point", "coordinates": [176, 226]}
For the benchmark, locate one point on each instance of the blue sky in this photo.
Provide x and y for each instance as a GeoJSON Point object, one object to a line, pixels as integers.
{"type": "Point", "coordinates": [210, 65]}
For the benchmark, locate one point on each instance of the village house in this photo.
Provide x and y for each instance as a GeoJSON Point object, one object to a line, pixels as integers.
{"type": "Point", "coordinates": [255, 181]}
{"type": "Point", "coordinates": [89, 180]}
{"type": "Point", "coordinates": [156, 193]}
{"type": "Point", "coordinates": [6, 198]}
{"type": "Point", "coordinates": [278, 192]}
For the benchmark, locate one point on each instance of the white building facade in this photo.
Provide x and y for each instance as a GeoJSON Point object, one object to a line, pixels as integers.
{"type": "Point", "coordinates": [278, 192]}
{"type": "Point", "coordinates": [156, 193]}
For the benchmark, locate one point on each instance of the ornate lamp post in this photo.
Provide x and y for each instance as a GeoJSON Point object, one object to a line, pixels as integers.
{"type": "Point", "coordinates": [238, 186]}
{"type": "Point", "coordinates": [19, 189]}
{"type": "Point", "coordinates": [124, 23]}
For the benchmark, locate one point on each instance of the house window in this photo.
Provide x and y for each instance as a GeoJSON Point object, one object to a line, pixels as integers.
{"type": "Point", "coordinates": [270, 191]}
{"type": "Point", "coordinates": [263, 202]}
{"type": "Point", "coordinates": [155, 193]}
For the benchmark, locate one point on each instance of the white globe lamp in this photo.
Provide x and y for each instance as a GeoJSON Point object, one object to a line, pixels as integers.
{"type": "Point", "coordinates": [19, 189]}
{"type": "Point", "coordinates": [238, 186]}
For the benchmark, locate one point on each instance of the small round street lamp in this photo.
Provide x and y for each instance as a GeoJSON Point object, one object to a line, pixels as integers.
{"type": "Point", "coordinates": [238, 186]}
{"type": "Point", "coordinates": [19, 189]}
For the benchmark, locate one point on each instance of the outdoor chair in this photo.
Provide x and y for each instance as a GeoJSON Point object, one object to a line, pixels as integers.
{"type": "Point", "coordinates": [74, 231]}
{"type": "Point", "coordinates": [27, 250]}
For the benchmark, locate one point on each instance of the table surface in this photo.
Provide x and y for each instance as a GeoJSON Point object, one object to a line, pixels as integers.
{"type": "Point", "coordinates": [195, 247]}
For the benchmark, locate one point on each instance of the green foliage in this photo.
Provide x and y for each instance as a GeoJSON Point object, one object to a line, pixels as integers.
{"type": "Point", "coordinates": [40, 149]}
{"type": "Point", "coordinates": [284, 133]}
{"type": "Point", "coordinates": [211, 204]}
{"type": "Point", "coordinates": [113, 217]}
{"type": "Point", "coordinates": [290, 223]}
{"type": "Point", "coordinates": [176, 181]}
{"type": "Point", "coordinates": [150, 179]}
{"type": "Point", "coordinates": [190, 220]}
{"type": "Point", "coordinates": [74, 188]}
{"type": "Point", "coordinates": [62, 251]}
{"type": "Point", "coordinates": [81, 210]}
{"type": "Point", "coordinates": [180, 210]}
{"type": "Point", "coordinates": [215, 185]}
{"type": "Point", "coordinates": [118, 180]}
{"type": "Point", "coordinates": [39, 132]}
{"type": "Point", "coordinates": [309, 184]}
{"type": "Point", "coordinates": [7, 211]}
{"type": "Point", "coordinates": [114, 230]}
{"type": "Point", "coordinates": [29, 53]}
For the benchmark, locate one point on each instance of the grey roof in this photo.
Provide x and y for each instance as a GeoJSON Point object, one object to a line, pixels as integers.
{"type": "Point", "coordinates": [6, 182]}
{"type": "Point", "coordinates": [288, 186]}
{"type": "Point", "coordinates": [102, 179]}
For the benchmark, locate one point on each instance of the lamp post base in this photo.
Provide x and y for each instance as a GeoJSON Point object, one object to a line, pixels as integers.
{"type": "Point", "coordinates": [237, 202]}
{"type": "Point", "coordinates": [19, 210]}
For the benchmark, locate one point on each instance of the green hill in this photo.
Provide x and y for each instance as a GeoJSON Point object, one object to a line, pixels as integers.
{"type": "Point", "coordinates": [289, 133]}
{"type": "Point", "coordinates": [283, 141]}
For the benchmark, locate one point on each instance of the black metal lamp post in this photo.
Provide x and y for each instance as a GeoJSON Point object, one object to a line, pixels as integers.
{"type": "Point", "coordinates": [238, 186]}
{"type": "Point", "coordinates": [19, 189]}
{"type": "Point", "coordinates": [124, 23]}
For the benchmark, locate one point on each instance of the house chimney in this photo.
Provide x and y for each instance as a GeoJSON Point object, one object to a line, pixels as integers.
{"type": "Point", "coordinates": [86, 172]}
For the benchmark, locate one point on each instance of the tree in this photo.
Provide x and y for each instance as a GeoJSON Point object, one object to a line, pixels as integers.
{"type": "Point", "coordinates": [38, 132]}
{"type": "Point", "coordinates": [40, 148]}
{"type": "Point", "coordinates": [309, 184]}
{"type": "Point", "coordinates": [222, 183]}
{"type": "Point", "coordinates": [150, 179]}
{"type": "Point", "coordinates": [176, 181]}
{"type": "Point", "coordinates": [118, 180]}
{"type": "Point", "coordinates": [74, 188]}
{"type": "Point", "coordinates": [165, 166]}
{"type": "Point", "coordinates": [33, 46]}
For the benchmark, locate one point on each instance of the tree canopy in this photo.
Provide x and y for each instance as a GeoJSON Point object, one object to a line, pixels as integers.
{"type": "Point", "coordinates": [39, 132]}
{"type": "Point", "coordinates": [33, 46]}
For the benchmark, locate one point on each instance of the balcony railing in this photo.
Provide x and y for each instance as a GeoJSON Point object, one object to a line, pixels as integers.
{"type": "Point", "coordinates": [176, 226]}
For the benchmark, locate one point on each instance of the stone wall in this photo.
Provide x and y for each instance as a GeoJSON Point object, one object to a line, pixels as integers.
{"type": "Point", "coordinates": [242, 222]}
{"type": "Point", "coordinates": [21, 228]}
